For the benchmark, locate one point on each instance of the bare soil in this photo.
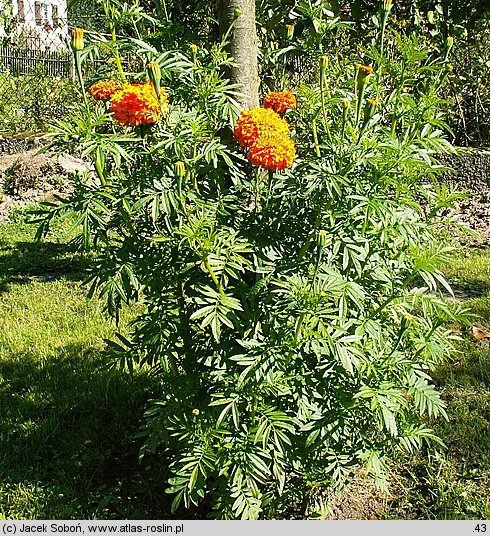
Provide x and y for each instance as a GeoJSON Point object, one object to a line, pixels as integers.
{"type": "Point", "coordinates": [27, 178]}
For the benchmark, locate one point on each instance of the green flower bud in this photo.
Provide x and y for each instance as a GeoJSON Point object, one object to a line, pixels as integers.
{"type": "Point", "coordinates": [370, 108]}
{"type": "Point", "coordinates": [321, 239]}
{"type": "Point", "coordinates": [346, 103]}
{"type": "Point", "coordinates": [289, 30]}
{"type": "Point", "coordinates": [363, 74]}
{"type": "Point", "coordinates": [77, 43]}
{"type": "Point", "coordinates": [323, 62]}
{"type": "Point", "coordinates": [385, 7]}
{"type": "Point", "coordinates": [238, 12]}
{"type": "Point", "coordinates": [155, 75]}
{"type": "Point", "coordinates": [179, 168]}
{"type": "Point", "coordinates": [193, 51]}
{"type": "Point", "coordinates": [448, 45]}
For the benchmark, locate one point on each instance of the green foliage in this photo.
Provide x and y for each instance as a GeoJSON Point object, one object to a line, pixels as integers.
{"type": "Point", "coordinates": [30, 102]}
{"type": "Point", "coordinates": [51, 371]}
{"type": "Point", "coordinates": [293, 317]}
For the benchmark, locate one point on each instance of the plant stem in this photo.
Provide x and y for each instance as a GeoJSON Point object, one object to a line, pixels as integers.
{"type": "Point", "coordinates": [213, 275]}
{"type": "Point", "coordinates": [315, 138]}
{"type": "Point", "coordinates": [323, 90]}
{"type": "Point", "coordinates": [78, 65]}
{"type": "Point", "coordinates": [360, 98]}
{"type": "Point", "coordinates": [117, 57]}
{"type": "Point", "coordinates": [270, 176]}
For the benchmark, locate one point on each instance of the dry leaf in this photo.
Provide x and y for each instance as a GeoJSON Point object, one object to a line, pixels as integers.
{"type": "Point", "coordinates": [480, 334]}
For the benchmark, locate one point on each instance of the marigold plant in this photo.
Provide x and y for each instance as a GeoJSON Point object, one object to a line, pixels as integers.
{"type": "Point", "coordinates": [272, 151]}
{"type": "Point", "coordinates": [280, 101]}
{"type": "Point", "coordinates": [104, 89]}
{"type": "Point", "coordinates": [136, 104]}
{"type": "Point", "coordinates": [293, 318]}
{"type": "Point", "coordinates": [254, 123]}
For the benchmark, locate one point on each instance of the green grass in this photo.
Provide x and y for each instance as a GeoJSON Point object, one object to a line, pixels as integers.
{"type": "Point", "coordinates": [68, 423]}
{"type": "Point", "coordinates": [470, 271]}
{"type": "Point", "coordinates": [454, 482]}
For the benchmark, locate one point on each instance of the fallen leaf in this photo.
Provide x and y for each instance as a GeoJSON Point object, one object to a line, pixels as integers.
{"type": "Point", "coordinates": [480, 334]}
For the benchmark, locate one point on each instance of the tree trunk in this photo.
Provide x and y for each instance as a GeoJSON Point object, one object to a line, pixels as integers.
{"type": "Point", "coordinates": [243, 47]}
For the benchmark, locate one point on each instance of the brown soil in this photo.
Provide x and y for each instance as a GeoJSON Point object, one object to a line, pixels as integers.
{"type": "Point", "coordinates": [361, 500]}
{"type": "Point", "coordinates": [26, 178]}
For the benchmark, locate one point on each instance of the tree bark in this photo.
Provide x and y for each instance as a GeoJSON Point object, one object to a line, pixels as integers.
{"type": "Point", "coordinates": [243, 46]}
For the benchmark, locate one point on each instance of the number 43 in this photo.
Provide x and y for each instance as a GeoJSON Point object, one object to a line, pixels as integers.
{"type": "Point", "coordinates": [481, 527]}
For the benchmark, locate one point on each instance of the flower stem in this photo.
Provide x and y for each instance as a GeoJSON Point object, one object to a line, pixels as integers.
{"type": "Point", "coordinates": [117, 57]}
{"type": "Point", "coordinates": [323, 91]}
{"type": "Point", "coordinates": [78, 65]}
{"type": "Point", "coordinates": [315, 138]}
{"type": "Point", "coordinates": [360, 98]}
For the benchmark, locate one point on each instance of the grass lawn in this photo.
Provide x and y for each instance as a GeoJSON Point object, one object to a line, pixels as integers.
{"type": "Point", "coordinates": [67, 422]}
{"type": "Point", "coordinates": [454, 483]}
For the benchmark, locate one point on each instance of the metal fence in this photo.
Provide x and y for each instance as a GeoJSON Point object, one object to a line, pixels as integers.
{"type": "Point", "coordinates": [37, 74]}
{"type": "Point", "coordinates": [27, 61]}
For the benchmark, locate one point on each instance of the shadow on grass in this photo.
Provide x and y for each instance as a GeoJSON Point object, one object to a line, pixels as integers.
{"type": "Point", "coordinates": [67, 447]}
{"type": "Point", "coordinates": [454, 482]}
{"type": "Point", "coordinates": [20, 261]}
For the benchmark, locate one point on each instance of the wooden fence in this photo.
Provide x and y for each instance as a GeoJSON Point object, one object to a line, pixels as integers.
{"type": "Point", "coordinates": [27, 61]}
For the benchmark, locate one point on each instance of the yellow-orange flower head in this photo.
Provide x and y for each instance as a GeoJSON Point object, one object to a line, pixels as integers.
{"type": "Point", "coordinates": [272, 151]}
{"type": "Point", "coordinates": [252, 124]}
{"type": "Point", "coordinates": [280, 101]}
{"type": "Point", "coordinates": [136, 104]}
{"type": "Point", "coordinates": [363, 74]}
{"type": "Point", "coordinates": [104, 89]}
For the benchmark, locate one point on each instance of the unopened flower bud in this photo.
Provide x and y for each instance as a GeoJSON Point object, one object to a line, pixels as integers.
{"type": "Point", "coordinates": [195, 411]}
{"type": "Point", "coordinates": [289, 30]}
{"type": "Point", "coordinates": [155, 75]}
{"type": "Point", "coordinates": [238, 12]}
{"type": "Point", "coordinates": [179, 168]}
{"type": "Point", "coordinates": [370, 108]}
{"type": "Point", "coordinates": [321, 238]}
{"type": "Point", "coordinates": [363, 74]}
{"type": "Point", "coordinates": [385, 6]}
{"type": "Point", "coordinates": [193, 51]}
{"type": "Point", "coordinates": [346, 103]}
{"type": "Point", "coordinates": [77, 43]}
{"type": "Point", "coordinates": [448, 45]}
{"type": "Point", "coordinates": [323, 62]}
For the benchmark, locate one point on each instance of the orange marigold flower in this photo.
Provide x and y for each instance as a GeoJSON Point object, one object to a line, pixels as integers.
{"type": "Point", "coordinates": [104, 89]}
{"type": "Point", "coordinates": [280, 101]}
{"type": "Point", "coordinates": [272, 151]}
{"type": "Point", "coordinates": [252, 124]}
{"type": "Point", "coordinates": [365, 70]}
{"type": "Point", "coordinates": [137, 104]}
